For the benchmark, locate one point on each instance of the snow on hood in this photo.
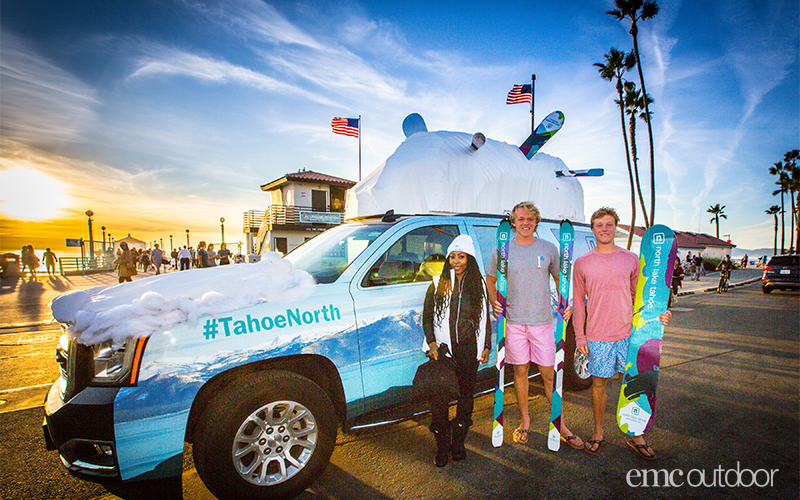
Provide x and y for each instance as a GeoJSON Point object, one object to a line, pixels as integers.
{"type": "Point", "coordinates": [440, 172]}
{"type": "Point", "coordinates": [158, 303]}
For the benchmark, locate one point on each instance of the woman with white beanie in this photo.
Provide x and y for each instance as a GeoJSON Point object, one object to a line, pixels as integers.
{"type": "Point", "coordinates": [456, 314]}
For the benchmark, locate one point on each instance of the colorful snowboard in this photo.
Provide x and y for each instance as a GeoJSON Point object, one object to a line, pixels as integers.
{"type": "Point", "coordinates": [566, 237]}
{"type": "Point", "coordinates": [547, 129]}
{"type": "Point", "coordinates": [589, 172]}
{"type": "Point", "coordinates": [637, 397]}
{"type": "Point", "coordinates": [503, 240]}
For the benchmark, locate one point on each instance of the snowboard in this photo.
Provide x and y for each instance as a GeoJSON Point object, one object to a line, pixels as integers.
{"type": "Point", "coordinates": [546, 129]}
{"type": "Point", "coordinates": [566, 239]}
{"type": "Point", "coordinates": [637, 396]}
{"type": "Point", "coordinates": [503, 240]}
{"type": "Point", "coordinates": [589, 172]}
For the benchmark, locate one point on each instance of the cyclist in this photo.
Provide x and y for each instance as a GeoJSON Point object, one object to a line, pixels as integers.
{"type": "Point", "coordinates": [725, 267]}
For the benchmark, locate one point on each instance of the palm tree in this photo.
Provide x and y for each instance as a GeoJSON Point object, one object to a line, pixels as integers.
{"type": "Point", "coordinates": [773, 211]}
{"type": "Point", "coordinates": [640, 10]}
{"type": "Point", "coordinates": [717, 212]}
{"type": "Point", "coordinates": [790, 162]}
{"type": "Point", "coordinates": [617, 63]}
{"type": "Point", "coordinates": [634, 106]}
{"type": "Point", "coordinates": [777, 169]}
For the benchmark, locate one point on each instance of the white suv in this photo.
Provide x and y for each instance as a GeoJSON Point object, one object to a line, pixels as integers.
{"type": "Point", "coordinates": [261, 391]}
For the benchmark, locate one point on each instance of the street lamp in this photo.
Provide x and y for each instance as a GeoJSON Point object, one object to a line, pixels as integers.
{"type": "Point", "coordinates": [89, 214]}
{"type": "Point", "coordinates": [187, 238]}
{"type": "Point", "coordinates": [222, 227]}
{"type": "Point", "coordinates": [104, 238]}
{"type": "Point", "coordinates": [170, 244]}
{"type": "Point", "coordinates": [110, 242]}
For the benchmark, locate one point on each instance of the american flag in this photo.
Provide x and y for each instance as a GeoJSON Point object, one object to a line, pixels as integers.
{"type": "Point", "coordinates": [345, 126]}
{"type": "Point", "coordinates": [519, 94]}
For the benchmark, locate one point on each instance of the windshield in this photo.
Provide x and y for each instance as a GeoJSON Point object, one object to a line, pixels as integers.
{"type": "Point", "coordinates": [327, 256]}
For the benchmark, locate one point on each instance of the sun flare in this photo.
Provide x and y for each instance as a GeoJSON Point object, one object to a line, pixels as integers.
{"type": "Point", "coordinates": [28, 194]}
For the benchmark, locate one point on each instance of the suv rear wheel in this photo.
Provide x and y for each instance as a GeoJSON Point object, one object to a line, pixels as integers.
{"type": "Point", "coordinates": [268, 436]}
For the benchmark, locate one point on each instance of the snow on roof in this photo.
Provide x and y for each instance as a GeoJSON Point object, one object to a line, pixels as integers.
{"type": "Point", "coordinates": [441, 172]}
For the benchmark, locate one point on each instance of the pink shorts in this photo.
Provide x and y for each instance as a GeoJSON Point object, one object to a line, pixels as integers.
{"type": "Point", "coordinates": [530, 344]}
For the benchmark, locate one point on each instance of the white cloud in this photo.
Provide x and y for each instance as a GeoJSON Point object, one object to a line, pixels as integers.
{"type": "Point", "coordinates": [41, 103]}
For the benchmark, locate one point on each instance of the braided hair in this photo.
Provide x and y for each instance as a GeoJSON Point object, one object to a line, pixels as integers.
{"type": "Point", "coordinates": [472, 288]}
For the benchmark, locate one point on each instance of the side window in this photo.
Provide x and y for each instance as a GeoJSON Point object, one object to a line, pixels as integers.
{"type": "Point", "coordinates": [487, 241]}
{"type": "Point", "coordinates": [416, 256]}
{"type": "Point", "coordinates": [584, 241]}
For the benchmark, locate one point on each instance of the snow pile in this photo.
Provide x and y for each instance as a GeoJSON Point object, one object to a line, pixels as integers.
{"type": "Point", "coordinates": [440, 172]}
{"type": "Point", "coordinates": [161, 302]}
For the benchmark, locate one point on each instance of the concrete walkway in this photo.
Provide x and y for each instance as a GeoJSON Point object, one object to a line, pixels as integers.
{"type": "Point", "coordinates": [25, 300]}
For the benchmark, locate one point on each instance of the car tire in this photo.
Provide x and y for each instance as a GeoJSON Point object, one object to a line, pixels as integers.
{"type": "Point", "coordinates": [576, 378]}
{"type": "Point", "coordinates": [766, 289]}
{"type": "Point", "coordinates": [268, 436]}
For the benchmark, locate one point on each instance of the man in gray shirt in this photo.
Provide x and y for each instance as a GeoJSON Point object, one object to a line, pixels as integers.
{"type": "Point", "coordinates": [529, 311]}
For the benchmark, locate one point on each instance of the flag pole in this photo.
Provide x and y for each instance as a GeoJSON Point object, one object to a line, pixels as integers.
{"type": "Point", "coordinates": [533, 94]}
{"type": "Point", "coordinates": [359, 148]}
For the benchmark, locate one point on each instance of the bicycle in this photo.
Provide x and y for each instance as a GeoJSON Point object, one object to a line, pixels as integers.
{"type": "Point", "coordinates": [724, 276]}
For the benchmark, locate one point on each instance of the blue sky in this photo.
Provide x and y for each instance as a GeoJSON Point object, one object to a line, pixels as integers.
{"type": "Point", "coordinates": [166, 114]}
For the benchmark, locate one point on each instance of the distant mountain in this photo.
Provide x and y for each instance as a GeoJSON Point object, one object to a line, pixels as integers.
{"type": "Point", "coordinates": [738, 253]}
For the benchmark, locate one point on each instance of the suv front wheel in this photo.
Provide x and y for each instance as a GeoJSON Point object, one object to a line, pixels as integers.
{"type": "Point", "coordinates": [268, 436]}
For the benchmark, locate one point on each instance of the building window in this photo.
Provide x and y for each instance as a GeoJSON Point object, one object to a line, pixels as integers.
{"type": "Point", "coordinates": [319, 200]}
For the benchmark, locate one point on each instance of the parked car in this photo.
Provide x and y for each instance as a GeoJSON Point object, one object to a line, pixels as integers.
{"type": "Point", "coordinates": [263, 399]}
{"type": "Point", "coordinates": [782, 272]}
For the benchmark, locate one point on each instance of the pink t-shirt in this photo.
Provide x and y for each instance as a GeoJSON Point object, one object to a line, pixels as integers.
{"type": "Point", "coordinates": [605, 289]}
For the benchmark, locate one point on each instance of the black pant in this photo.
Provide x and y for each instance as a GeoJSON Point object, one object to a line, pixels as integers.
{"type": "Point", "coordinates": [465, 356]}
{"type": "Point", "coordinates": [184, 263]}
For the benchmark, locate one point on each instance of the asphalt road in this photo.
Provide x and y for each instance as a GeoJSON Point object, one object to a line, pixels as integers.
{"type": "Point", "coordinates": [728, 407]}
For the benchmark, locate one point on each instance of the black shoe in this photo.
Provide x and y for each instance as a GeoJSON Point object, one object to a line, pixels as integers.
{"type": "Point", "coordinates": [460, 429]}
{"type": "Point", "coordinates": [442, 435]}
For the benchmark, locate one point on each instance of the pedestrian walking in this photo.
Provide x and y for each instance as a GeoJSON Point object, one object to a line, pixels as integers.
{"type": "Point", "coordinates": [126, 263]}
{"type": "Point", "coordinates": [50, 262]}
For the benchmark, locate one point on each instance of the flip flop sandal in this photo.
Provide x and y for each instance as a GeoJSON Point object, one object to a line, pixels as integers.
{"type": "Point", "coordinates": [569, 440]}
{"type": "Point", "coordinates": [599, 442]}
{"type": "Point", "coordinates": [521, 435]}
{"type": "Point", "coordinates": [641, 450]}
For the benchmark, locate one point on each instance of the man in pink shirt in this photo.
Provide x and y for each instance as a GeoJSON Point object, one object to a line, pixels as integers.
{"type": "Point", "coordinates": [605, 288]}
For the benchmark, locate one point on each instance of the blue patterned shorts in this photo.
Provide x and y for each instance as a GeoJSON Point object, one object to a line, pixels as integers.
{"type": "Point", "coordinates": [607, 358]}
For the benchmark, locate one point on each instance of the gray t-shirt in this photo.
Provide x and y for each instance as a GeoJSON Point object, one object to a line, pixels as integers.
{"type": "Point", "coordinates": [528, 300]}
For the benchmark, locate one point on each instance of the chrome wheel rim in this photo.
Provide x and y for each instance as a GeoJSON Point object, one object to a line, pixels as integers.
{"type": "Point", "coordinates": [274, 443]}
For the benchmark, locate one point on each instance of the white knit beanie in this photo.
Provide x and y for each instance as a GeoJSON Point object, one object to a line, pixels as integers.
{"type": "Point", "coordinates": [462, 243]}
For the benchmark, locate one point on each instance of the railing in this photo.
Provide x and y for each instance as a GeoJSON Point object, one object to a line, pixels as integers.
{"type": "Point", "coordinates": [252, 219]}
{"type": "Point", "coordinates": [67, 265]}
{"type": "Point", "coordinates": [292, 214]}
{"type": "Point", "coordinates": [289, 215]}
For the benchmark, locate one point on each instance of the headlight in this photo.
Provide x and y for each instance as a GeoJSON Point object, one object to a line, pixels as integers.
{"type": "Point", "coordinates": [117, 363]}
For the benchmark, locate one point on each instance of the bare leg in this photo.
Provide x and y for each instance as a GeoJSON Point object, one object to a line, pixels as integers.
{"type": "Point", "coordinates": [599, 398]}
{"type": "Point", "coordinates": [548, 374]}
{"type": "Point", "coordinates": [521, 390]}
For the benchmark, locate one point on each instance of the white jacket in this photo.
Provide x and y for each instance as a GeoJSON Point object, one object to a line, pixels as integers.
{"type": "Point", "coordinates": [441, 329]}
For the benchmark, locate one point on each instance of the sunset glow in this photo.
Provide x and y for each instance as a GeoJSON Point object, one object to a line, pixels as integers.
{"type": "Point", "coordinates": [29, 195]}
